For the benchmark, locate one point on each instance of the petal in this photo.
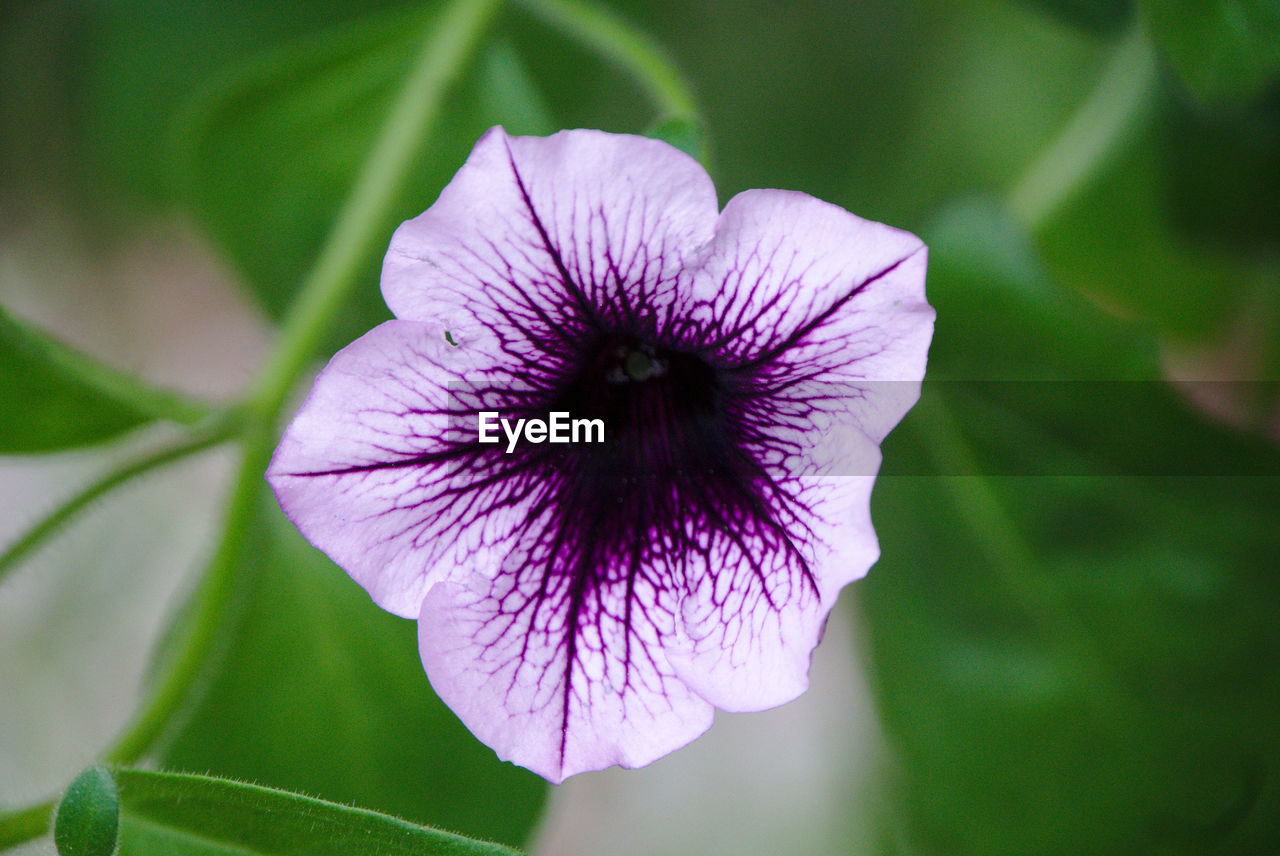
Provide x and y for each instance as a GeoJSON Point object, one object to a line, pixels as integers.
{"type": "Point", "coordinates": [557, 677]}
{"type": "Point", "coordinates": [535, 238]}
{"type": "Point", "coordinates": [794, 290]}
{"type": "Point", "coordinates": [755, 608]}
{"type": "Point", "coordinates": [579, 610]}
{"type": "Point", "coordinates": [380, 471]}
{"type": "Point", "coordinates": [820, 319]}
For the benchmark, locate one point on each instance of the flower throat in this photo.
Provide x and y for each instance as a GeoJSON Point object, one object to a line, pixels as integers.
{"type": "Point", "coordinates": [661, 407]}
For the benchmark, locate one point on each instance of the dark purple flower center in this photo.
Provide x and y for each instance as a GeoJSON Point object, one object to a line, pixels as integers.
{"type": "Point", "coordinates": [663, 410]}
{"type": "Point", "coordinates": [672, 471]}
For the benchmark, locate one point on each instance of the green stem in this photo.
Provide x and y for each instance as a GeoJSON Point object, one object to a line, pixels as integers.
{"type": "Point", "coordinates": [25, 824]}
{"type": "Point", "coordinates": [1118, 104]}
{"type": "Point", "coordinates": [211, 603]}
{"type": "Point", "coordinates": [631, 49]}
{"type": "Point", "coordinates": [124, 388]}
{"type": "Point", "coordinates": [213, 435]}
{"type": "Point", "coordinates": [452, 41]}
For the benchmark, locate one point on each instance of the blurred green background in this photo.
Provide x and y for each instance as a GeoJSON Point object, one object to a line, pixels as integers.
{"type": "Point", "coordinates": [1073, 636]}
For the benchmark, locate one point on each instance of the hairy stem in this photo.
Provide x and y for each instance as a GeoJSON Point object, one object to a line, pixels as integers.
{"type": "Point", "coordinates": [452, 41]}
{"type": "Point", "coordinates": [219, 431]}
{"type": "Point", "coordinates": [24, 824]}
{"type": "Point", "coordinates": [210, 606]}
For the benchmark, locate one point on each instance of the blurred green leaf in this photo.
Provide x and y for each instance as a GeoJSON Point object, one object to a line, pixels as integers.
{"type": "Point", "coordinates": [1103, 17]}
{"type": "Point", "coordinates": [321, 692]}
{"type": "Point", "coordinates": [1073, 637]}
{"type": "Point", "coordinates": [137, 62]}
{"type": "Point", "coordinates": [1224, 50]}
{"type": "Point", "coordinates": [1001, 316]}
{"type": "Point", "coordinates": [88, 815]}
{"type": "Point", "coordinates": [1171, 229]}
{"type": "Point", "coordinates": [1007, 741]}
{"type": "Point", "coordinates": [44, 404]}
{"type": "Point", "coordinates": [1224, 172]}
{"type": "Point", "coordinates": [179, 814]}
{"type": "Point", "coordinates": [991, 85]}
{"type": "Point", "coordinates": [289, 132]}
{"type": "Point", "coordinates": [1115, 242]}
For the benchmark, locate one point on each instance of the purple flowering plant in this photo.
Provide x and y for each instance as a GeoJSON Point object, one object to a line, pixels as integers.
{"type": "Point", "coordinates": [588, 600]}
{"type": "Point", "coordinates": [615, 454]}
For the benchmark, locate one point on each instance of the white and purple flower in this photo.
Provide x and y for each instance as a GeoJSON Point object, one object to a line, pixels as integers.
{"type": "Point", "coordinates": [581, 605]}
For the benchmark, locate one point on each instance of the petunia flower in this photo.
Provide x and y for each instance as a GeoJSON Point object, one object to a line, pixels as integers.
{"type": "Point", "coordinates": [585, 604]}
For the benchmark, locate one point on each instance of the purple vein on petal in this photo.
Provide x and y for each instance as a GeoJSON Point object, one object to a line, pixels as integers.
{"type": "Point", "coordinates": [581, 606]}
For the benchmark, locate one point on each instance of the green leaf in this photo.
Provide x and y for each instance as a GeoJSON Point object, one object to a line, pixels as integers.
{"type": "Point", "coordinates": [267, 155]}
{"type": "Point", "coordinates": [1001, 316]}
{"type": "Point", "coordinates": [322, 692]}
{"type": "Point", "coordinates": [1007, 736]}
{"type": "Point", "coordinates": [1071, 626]}
{"type": "Point", "coordinates": [1224, 174]}
{"type": "Point", "coordinates": [49, 399]}
{"type": "Point", "coordinates": [137, 62]}
{"type": "Point", "coordinates": [88, 816]}
{"type": "Point", "coordinates": [177, 814]}
{"type": "Point", "coordinates": [1103, 17]}
{"type": "Point", "coordinates": [993, 85]}
{"type": "Point", "coordinates": [1224, 50]}
{"type": "Point", "coordinates": [1114, 242]}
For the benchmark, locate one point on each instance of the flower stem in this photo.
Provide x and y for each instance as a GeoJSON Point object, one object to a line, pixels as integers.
{"type": "Point", "coordinates": [210, 605]}
{"type": "Point", "coordinates": [451, 42]}
{"type": "Point", "coordinates": [123, 388]}
{"type": "Point", "coordinates": [24, 824]}
{"type": "Point", "coordinates": [634, 51]}
{"type": "Point", "coordinates": [1108, 117]}
{"type": "Point", "coordinates": [215, 433]}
